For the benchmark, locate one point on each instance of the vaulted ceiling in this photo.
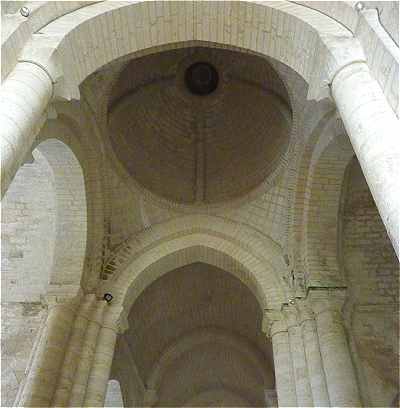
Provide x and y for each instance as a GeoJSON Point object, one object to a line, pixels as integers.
{"type": "Point", "coordinates": [197, 330]}
{"type": "Point", "coordinates": [192, 148]}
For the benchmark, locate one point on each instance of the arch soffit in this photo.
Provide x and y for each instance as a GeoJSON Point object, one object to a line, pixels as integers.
{"type": "Point", "coordinates": [202, 336]}
{"type": "Point", "coordinates": [323, 163]}
{"type": "Point", "coordinates": [91, 37]}
{"type": "Point", "coordinates": [236, 248]}
{"type": "Point", "coordinates": [67, 129]}
{"type": "Point", "coordinates": [69, 189]}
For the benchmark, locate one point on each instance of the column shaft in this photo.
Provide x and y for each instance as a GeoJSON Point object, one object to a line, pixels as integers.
{"type": "Point", "coordinates": [284, 376]}
{"type": "Point", "coordinates": [374, 131]}
{"type": "Point", "coordinates": [42, 378]}
{"type": "Point", "coordinates": [101, 367]}
{"type": "Point", "coordinates": [314, 363]}
{"type": "Point", "coordinates": [338, 366]}
{"type": "Point", "coordinates": [87, 355]}
{"type": "Point", "coordinates": [73, 354]}
{"type": "Point", "coordinates": [24, 96]}
{"type": "Point", "coordinates": [303, 389]}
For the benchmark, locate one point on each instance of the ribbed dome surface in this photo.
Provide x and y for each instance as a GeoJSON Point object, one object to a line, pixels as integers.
{"type": "Point", "coordinates": [199, 149]}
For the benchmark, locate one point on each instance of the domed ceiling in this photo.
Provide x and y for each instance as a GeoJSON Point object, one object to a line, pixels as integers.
{"type": "Point", "coordinates": [199, 125]}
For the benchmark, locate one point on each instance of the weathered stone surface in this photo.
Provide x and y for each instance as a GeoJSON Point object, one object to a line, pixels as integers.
{"type": "Point", "coordinates": [245, 256]}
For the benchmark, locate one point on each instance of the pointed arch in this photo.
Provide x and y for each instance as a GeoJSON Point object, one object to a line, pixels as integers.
{"type": "Point", "coordinates": [236, 248]}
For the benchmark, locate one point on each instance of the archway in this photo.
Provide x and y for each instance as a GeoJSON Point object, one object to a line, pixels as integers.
{"type": "Point", "coordinates": [71, 224]}
{"type": "Point", "coordinates": [145, 26]}
{"type": "Point", "coordinates": [45, 210]}
{"type": "Point", "coordinates": [322, 166]}
{"type": "Point", "coordinates": [246, 253]}
{"type": "Point", "coordinates": [194, 334]}
{"type": "Point", "coordinates": [44, 244]}
{"type": "Point", "coordinates": [215, 247]}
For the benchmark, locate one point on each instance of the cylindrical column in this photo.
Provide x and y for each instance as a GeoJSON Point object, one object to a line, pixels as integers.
{"type": "Point", "coordinates": [42, 378]}
{"type": "Point", "coordinates": [313, 357]}
{"type": "Point", "coordinates": [24, 96]}
{"type": "Point", "coordinates": [101, 367]}
{"type": "Point", "coordinates": [338, 366]}
{"type": "Point", "coordinates": [87, 355]}
{"type": "Point", "coordinates": [374, 131]}
{"type": "Point", "coordinates": [284, 376]}
{"type": "Point", "coordinates": [301, 377]}
{"type": "Point", "coordinates": [73, 353]}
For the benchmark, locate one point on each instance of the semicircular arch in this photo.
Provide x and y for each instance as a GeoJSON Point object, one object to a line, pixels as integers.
{"type": "Point", "coordinates": [70, 216]}
{"type": "Point", "coordinates": [107, 31]}
{"type": "Point", "coordinates": [86, 226]}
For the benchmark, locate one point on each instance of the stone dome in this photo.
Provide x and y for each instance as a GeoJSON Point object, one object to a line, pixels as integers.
{"type": "Point", "coordinates": [200, 125]}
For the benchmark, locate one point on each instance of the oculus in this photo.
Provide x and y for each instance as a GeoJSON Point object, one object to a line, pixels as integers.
{"type": "Point", "coordinates": [201, 78]}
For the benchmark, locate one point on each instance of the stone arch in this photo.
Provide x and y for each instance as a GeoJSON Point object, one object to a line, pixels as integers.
{"type": "Point", "coordinates": [201, 336]}
{"type": "Point", "coordinates": [236, 248]}
{"type": "Point", "coordinates": [70, 127]}
{"type": "Point", "coordinates": [325, 158]}
{"type": "Point", "coordinates": [107, 31]}
{"type": "Point", "coordinates": [53, 220]}
{"type": "Point", "coordinates": [47, 200]}
{"type": "Point", "coordinates": [70, 199]}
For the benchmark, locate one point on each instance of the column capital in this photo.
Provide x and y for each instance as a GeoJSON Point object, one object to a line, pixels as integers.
{"type": "Point", "coordinates": [336, 54]}
{"type": "Point", "coordinates": [45, 57]}
{"type": "Point", "coordinates": [86, 306]}
{"type": "Point", "coordinates": [115, 319]}
{"type": "Point", "coordinates": [274, 321]}
{"type": "Point", "coordinates": [324, 299]}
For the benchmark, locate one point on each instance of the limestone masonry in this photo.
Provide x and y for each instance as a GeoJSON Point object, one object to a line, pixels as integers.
{"type": "Point", "coordinates": [200, 203]}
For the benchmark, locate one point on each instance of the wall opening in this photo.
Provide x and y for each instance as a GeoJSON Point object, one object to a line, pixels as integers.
{"type": "Point", "coordinates": [43, 233]}
{"type": "Point", "coordinates": [195, 339]}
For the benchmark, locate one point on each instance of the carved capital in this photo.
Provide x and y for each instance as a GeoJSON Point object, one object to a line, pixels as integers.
{"type": "Point", "coordinates": [274, 321]}
{"type": "Point", "coordinates": [115, 319]}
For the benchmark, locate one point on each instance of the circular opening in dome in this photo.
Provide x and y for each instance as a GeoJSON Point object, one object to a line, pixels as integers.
{"type": "Point", "coordinates": [201, 78]}
{"type": "Point", "coordinates": [213, 126]}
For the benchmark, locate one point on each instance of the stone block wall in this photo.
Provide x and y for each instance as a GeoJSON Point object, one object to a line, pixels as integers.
{"type": "Point", "coordinates": [372, 271]}
{"type": "Point", "coordinates": [20, 324]}
{"type": "Point", "coordinates": [28, 232]}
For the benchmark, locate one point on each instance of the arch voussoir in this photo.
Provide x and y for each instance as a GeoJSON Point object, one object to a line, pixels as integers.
{"type": "Point", "coordinates": [252, 257]}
